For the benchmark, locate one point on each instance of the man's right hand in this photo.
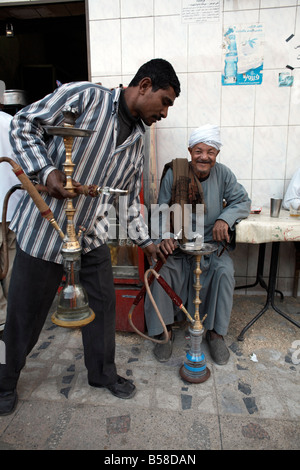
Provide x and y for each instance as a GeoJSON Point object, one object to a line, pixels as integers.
{"type": "Point", "coordinates": [55, 185]}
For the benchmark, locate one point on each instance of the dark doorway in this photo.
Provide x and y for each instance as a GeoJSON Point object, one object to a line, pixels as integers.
{"type": "Point", "coordinates": [48, 47]}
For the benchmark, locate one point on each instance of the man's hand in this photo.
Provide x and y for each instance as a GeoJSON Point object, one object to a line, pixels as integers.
{"type": "Point", "coordinates": [152, 253]}
{"type": "Point", "coordinates": [168, 245]}
{"type": "Point", "coordinates": [55, 185]}
{"type": "Point", "coordinates": [220, 231]}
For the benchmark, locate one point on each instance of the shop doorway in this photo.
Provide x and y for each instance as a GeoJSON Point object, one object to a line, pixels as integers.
{"type": "Point", "coordinates": [47, 45]}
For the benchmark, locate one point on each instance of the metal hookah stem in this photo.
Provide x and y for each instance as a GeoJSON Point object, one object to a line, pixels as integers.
{"type": "Point", "coordinates": [196, 340]}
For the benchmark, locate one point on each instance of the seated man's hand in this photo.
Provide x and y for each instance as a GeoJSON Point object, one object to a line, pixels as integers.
{"type": "Point", "coordinates": [152, 252]}
{"type": "Point", "coordinates": [220, 231]}
{"type": "Point", "coordinates": [168, 245]}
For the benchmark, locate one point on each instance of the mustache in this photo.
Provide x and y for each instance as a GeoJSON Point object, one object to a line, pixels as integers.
{"type": "Point", "coordinates": [200, 160]}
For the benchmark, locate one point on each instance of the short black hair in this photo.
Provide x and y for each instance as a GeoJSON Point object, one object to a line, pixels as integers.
{"type": "Point", "coordinates": [161, 73]}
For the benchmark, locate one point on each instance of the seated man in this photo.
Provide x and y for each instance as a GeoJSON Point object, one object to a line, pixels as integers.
{"type": "Point", "coordinates": [200, 181]}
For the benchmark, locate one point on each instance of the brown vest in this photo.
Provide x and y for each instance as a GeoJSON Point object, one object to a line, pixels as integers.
{"type": "Point", "coordinates": [186, 187]}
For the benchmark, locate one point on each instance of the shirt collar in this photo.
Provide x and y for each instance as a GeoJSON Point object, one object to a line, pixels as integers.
{"type": "Point", "coordinates": [118, 96]}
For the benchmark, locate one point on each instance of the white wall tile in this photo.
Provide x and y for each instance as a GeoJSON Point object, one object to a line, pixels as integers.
{"type": "Point", "coordinates": [240, 4]}
{"type": "Point", "coordinates": [171, 41]}
{"type": "Point", "coordinates": [269, 152]}
{"type": "Point", "coordinates": [236, 17]}
{"type": "Point", "coordinates": [236, 151]}
{"type": "Point", "coordinates": [237, 105]}
{"type": "Point", "coordinates": [134, 9]}
{"type": "Point", "coordinates": [263, 190]}
{"type": "Point", "coordinates": [271, 101]}
{"type": "Point", "coordinates": [204, 96]}
{"type": "Point", "coordinates": [102, 9]}
{"type": "Point", "coordinates": [277, 3]}
{"type": "Point", "coordinates": [105, 47]}
{"type": "Point", "coordinates": [205, 47]}
{"type": "Point", "coordinates": [137, 43]}
{"type": "Point", "coordinates": [167, 7]}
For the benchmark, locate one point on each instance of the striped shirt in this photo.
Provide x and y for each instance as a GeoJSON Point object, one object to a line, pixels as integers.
{"type": "Point", "coordinates": [98, 160]}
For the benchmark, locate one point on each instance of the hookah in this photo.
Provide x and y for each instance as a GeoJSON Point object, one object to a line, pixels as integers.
{"type": "Point", "coordinates": [73, 310]}
{"type": "Point", "coordinates": [194, 369]}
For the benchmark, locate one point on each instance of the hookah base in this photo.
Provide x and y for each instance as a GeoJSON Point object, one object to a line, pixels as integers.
{"type": "Point", "coordinates": [194, 369]}
{"type": "Point", "coordinates": [73, 323]}
{"type": "Point", "coordinates": [184, 373]}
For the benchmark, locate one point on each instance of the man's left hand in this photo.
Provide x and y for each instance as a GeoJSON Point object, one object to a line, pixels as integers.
{"type": "Point", "coordinates": [152, 253]}
{"type": "Point", "coordinates": [220, 231]}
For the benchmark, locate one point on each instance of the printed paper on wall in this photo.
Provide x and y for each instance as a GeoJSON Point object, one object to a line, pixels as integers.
{"type": "Point", "coordinates": [243, 54]}
{"type": "Point", "coordinates": [200, 11]}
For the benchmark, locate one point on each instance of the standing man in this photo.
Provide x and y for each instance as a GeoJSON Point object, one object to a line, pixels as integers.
{"type": "Point", "coordinates": [200, 181]}
{"type": "Point", "coordinates": [113, 156]}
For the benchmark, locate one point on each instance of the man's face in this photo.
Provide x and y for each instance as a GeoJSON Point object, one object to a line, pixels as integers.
{"type": "Point", "coordinates": [203, 158]}
{"type": "Point", "coordinates": [152, 106]}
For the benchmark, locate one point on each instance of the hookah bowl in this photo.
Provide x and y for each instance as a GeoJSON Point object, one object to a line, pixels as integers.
{"type": "Point", "coordinates": [194, 369]}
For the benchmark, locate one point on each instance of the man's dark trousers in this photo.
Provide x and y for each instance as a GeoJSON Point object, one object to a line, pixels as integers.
{"type": "Point", "coordinates": [34, 284]}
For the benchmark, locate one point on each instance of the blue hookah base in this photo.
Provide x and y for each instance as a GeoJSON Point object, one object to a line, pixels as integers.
{"type": "Point", "coordinates": [194, 369]}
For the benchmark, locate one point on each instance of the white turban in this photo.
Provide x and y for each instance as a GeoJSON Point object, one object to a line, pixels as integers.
{"type": "Point", "coordinates": [208, 134]}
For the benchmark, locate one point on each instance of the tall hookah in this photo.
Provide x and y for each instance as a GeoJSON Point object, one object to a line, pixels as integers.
{"type": "Point", "coordinates": [194, 369]}
{"type": "Point", "coordinates": [73, 309]}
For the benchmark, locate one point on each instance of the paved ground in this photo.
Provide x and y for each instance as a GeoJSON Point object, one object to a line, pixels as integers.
{"type": "Point", "coordinates": [251, 403]}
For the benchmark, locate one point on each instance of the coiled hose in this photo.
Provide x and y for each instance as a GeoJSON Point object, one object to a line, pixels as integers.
{"type": "Point", "coordinates": [146, 288]}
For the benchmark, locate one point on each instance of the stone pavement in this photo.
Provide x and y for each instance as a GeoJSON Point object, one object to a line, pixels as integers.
{"type": "Point", "coordinates": [253, 402]}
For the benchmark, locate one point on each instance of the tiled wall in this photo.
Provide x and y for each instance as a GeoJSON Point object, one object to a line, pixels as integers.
{"type": "Point", "coordinates": [260, 125]}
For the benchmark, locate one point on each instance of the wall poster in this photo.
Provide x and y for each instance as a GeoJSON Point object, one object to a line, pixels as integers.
{"type": "Point", "coordinates": [243, 54]}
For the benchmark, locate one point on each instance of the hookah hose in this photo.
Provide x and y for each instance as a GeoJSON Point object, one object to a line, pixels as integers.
{"type": "Point", "coordinates": [34, 194]}
{"type": "Point", "coordinates": [38, 200]}
{"type": "Point", "coordinates": [137, 301]}
{"type": "Point", "coordinates": [146, 288]}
